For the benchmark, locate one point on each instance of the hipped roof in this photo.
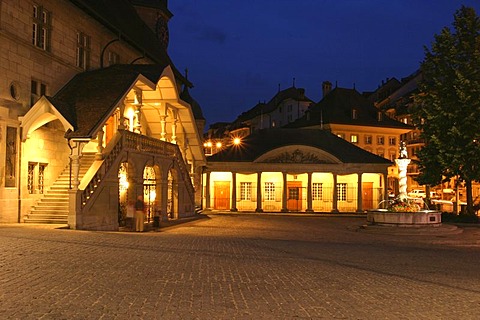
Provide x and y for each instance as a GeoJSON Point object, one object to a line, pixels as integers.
{"type": "Point", "coordinates": [337, 107]}
{"type": "Point", "coordinates": [263, 141]}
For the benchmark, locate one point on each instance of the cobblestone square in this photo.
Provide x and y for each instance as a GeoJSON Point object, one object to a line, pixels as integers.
{"type": "Point", "coordinates": [242, 266]}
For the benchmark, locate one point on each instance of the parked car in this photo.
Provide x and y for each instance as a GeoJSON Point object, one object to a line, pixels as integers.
{"type": "Point", "coordinates": [419, 193]}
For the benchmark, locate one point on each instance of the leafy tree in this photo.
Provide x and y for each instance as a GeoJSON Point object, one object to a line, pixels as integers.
{"type": "Point", "coordinates": [447, 106]}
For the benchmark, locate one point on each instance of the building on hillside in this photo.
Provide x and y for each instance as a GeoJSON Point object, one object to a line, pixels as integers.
{"type": "Point", "coordinates": [349, 115]}
{"type": "Point", "coordinates": [294, 170]}
{"type": "Point", "coordinates": [93, 113]}
{"type": "Point", "coordinates": [397, 105]}
{"type": "Point", "coordinates": [285, 107]}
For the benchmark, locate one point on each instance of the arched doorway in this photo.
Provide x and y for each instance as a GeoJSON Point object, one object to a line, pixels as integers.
{"type": "Point", "coordinates": [123, 200]}
{"type": "Point", "coordinates": [149, 192]}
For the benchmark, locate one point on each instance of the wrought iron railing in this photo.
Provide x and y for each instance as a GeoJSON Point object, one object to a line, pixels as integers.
{"type": "Point", "coordinates": [133, 142]}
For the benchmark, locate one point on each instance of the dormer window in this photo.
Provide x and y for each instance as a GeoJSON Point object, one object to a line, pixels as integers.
{"type": "Point", "coordinates": [354, 114]}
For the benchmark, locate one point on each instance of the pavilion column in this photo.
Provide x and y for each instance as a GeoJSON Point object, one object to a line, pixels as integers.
{"type": "Point", "coordinates": [174, 131]}
{"type": "Point", "coordinates": [359, 193]}
{"type": "Point", "coordinates": [335, 194]}
{"type": "Point", "coordinates": [138, 111]}
{"type": "Point", "coordinates": [121, 124]}
{"type": "Point", "coordinates": [284, 193]}
{"type": "Point", "coordinates": [163, 128]}
{"type": "Point", "coordinates": [259, 192]}
{"type": "Point", "coordinates": [138, 126]}
{"type": "Point", "coordinates": [207, 190]}
{"type": "Point", "coordinates": [234, 192]}
{"type": "Point", "coordinates": [309, 193]}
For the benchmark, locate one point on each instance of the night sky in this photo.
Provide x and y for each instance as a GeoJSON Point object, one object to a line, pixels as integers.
{"type": "Point", "coordinates": [239, 52]}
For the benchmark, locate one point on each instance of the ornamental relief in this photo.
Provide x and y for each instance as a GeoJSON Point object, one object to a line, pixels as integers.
{"type": "Point", "coordinates": [296, 156]}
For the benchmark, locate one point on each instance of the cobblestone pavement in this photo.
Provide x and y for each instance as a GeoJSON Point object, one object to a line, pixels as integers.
{"type": "Point", "coordinates": [242, 267]}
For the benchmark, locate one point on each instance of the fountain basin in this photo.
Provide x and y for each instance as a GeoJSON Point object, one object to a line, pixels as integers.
{"type": "Point", "coordinates": [406, 219]}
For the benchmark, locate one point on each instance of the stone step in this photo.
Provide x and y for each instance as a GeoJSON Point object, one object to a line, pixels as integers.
{"type": "Point", "coordinates": [53, 206]}
{"type": "Point", "coordinates": [47, 218]}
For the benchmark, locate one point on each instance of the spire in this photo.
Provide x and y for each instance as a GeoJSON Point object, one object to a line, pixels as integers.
{"type": "Point", "coordinates": [293, 82]}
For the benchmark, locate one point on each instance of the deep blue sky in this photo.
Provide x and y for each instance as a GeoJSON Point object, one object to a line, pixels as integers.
{"type": "Point", "coordinates": [238, 52]}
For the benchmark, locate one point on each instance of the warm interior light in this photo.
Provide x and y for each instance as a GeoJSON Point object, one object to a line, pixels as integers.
{"type": "Point", "coordinates": [209, 144]}
{"type": "Point", "coordinates": [130, 116]}
{"type": "Point", "coordinates": [237, 141]}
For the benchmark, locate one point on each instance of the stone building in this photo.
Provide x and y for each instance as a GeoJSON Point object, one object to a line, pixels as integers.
{"type": "Point", "coordinates": [351, 116]}
{"type": "Point", "coordinates": [93, 112]}
{"type": "Point", "coordinates": [294, 170]}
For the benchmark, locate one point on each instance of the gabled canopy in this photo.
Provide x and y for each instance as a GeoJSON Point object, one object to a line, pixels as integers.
{"type": "Point", "coordinates": [41, 113]}
{"type": "Point", "coordinates": [86, 102]}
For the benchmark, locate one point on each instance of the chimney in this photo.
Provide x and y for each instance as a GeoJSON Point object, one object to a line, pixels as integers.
{"type": "Point", "coordinates": [326, 87]}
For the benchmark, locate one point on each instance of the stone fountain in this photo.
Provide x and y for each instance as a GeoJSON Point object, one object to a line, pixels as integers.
{"type": "Point", "coordinates": [403, 211]}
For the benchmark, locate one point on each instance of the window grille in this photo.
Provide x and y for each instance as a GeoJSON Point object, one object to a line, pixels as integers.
{"type": "Point", "coordinates": [31, 178]}
{"type": "Point", "coordinates": [317, 192]}
{"type": "Point", "coordinates": [41, 177]}
{"type": "Point", "coordinates": [245, 190]}
{"type": "Point", "coordinates": [342, 192]}
{"type": "Point", "coordinates": [269, 191]}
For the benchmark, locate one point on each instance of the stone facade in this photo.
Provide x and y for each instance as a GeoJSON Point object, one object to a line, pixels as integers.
{"type": "Point", "coordinates": [43, 45]}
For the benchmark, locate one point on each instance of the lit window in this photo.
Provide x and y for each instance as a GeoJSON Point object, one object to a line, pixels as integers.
{"type": "Point", "coordinates": [317, 193]}
{"type": "Point", "coordinates": [36, 177]}
{"type": "Point", "coordinates": [269, 191]}
{"type": "Point", "coordinates": [41, 28]}
{"type": "Point", "coordinates": [245, 190]}
{"type": "Point", "coordinates": [341, 191]}
{"type": "Point", "coordinates": [354, 138]}
{"type": "Point", "coordinates": [31, 178]}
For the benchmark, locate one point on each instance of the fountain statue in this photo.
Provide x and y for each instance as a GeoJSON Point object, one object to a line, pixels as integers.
{"type": "Point", "coordinates": [403, 211]}
{"type": "Point", "coordinates": [402, 162]}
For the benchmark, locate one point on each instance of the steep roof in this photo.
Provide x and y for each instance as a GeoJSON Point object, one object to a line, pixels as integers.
{"type": "Point", "coordinates": [262, 141]}
{"type": "Point", "coordinates": [89, 97]}
{"type": "Point", "coordinates": [297, 94]}
{"type": "Point", "coordinates": [196, 109]}
{"type": "Point", "coordinates": [337, 108]}
{"type": "Point", "coordinates": [121, 18]}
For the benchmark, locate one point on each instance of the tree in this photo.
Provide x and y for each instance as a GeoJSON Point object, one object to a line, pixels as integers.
{"type": "Point", "coordinates": [447, 107]}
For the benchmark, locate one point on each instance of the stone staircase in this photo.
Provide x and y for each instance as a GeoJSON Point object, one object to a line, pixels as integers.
{"type": "Point", "coordinates": [53, 207]}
